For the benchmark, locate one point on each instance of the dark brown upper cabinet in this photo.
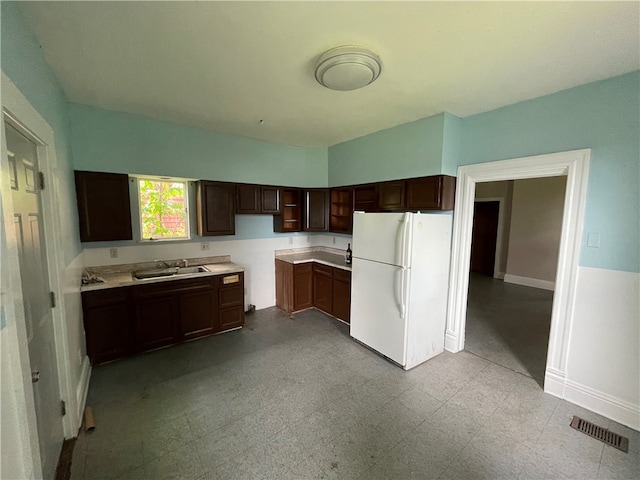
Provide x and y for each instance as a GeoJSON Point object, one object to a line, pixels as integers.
{"type": "Point", "coordinates": [270, 197]}
{"type": "Point", "coordinates": [256, 199]}
{"type": "Point", "coordinates": [315, 210]}
{"type": "Point", "coordinates": [248, 199]}
{"type": "Point", "coordinates": [341, 210]}
{"type": "Point", "coordinates": [436, 192]}
{"type": "Point", "coordinates": [391, 195]}
{"type": "Point", "coordinates": [290, 217]}
{"type": "Point", "coordinates": [104, 210]}
{"type": "Point", "coordinates": [215, 208]}
{"type": "Point", "coordinates": [365, 198]}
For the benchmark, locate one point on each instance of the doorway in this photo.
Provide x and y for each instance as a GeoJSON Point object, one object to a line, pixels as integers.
{"type": "Point", "coordinates": [484, 237]}
{"type": "Point", "coordinates": [22, 158]}
{"type": "Point", "coordinates": [573, 164]}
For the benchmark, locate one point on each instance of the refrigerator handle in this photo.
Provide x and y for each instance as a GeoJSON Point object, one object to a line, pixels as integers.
{"type": "Point", "coordinates": [397, 292]}
{"type": "Point", "coordinates": [403, 292]}
{"type": "Point", "coordinates": [401, 241]}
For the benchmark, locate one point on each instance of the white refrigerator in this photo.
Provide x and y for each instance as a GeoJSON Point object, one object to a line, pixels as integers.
{"type": "Point", "coordinates": [400, 282]}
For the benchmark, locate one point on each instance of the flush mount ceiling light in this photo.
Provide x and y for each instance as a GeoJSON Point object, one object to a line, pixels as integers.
{"type": "Point", "coordinates": [347, 68]}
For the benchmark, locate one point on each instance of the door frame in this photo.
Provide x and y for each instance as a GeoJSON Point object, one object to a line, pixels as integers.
{"type": "Point", "coordinates": [499, 233]}
{"type": "Point", "coordinates": [22, 113]}
{"type": "Point", "coordinates": [575, 165]}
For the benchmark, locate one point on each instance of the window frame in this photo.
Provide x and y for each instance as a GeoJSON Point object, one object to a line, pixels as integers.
{"type": "Point", "coordinates": [185, 182]}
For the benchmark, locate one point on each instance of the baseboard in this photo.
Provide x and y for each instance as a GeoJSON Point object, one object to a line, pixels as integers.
{"type": "Point", "coordinates": [606, 405]}
{"type": "Point", "coordinates": [83, 390]}
{"type": "Point", "coordinates": [530, 282]}
{"type": "Point", "coordinates": [451, 342]}
{"type": "Point", "coordinates": [499, 276]}
{"type": "Point", "coordinates": [554, 382]}
{"type": "Point", "coordinates": [601, 403]}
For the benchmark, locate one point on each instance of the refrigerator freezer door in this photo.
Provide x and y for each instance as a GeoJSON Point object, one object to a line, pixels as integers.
{"type": "Point", "coordinates": [377, 308]}
{"type": "Point", "coordinates": [381, 237]}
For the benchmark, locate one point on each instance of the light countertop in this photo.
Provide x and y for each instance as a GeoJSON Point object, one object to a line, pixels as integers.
{"type": "Point", "coordinates": [122, 276]}
{"type": "Point", "coordinates": [326, 256]}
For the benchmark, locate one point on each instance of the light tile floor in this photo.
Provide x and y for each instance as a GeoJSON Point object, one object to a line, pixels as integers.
{"type": "Point", "coordinates": [296, 398]}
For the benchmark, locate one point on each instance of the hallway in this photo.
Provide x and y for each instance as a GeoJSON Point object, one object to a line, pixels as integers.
{"type": "Point", "coordinates": [509, 325]}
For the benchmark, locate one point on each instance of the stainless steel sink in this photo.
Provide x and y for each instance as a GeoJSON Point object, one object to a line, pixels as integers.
{"type": "Point", "coordinates": [167, 272]}
{"type": "Point", "coordinates": [190, 270]}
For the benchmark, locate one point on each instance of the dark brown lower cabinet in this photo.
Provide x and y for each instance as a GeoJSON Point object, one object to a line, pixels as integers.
{"type": "Point", "coordinates": [123, 321]}
{"type": "Point", "coordinates": [231, 301]}
{"type": "Point", "coordinates": [341, 294]}
{"type": "Point", "coordinates": [322, 285]}
{"type": "Point", "coordinates": [107, 324]}
{"type": "Point", "coordinates": [302, 286]}
{"type": "Point", "coordinates": [312, 284]}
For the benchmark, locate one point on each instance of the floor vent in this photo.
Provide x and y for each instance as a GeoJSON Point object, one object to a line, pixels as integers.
{"type": "Point", "coordinates": [599, 433]}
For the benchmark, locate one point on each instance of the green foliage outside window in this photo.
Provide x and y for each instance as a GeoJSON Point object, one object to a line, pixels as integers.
{"type": "Point", "coordinates": [162, 209]}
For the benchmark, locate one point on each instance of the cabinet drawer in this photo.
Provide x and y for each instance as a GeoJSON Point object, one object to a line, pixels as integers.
{"type": "Point", "coordinates": [107, 296]}
{"type": "Point", "coordinates": [230, 296]}
{"type": "Point", "coordinates": [340, 274]}
{"type": "Point", "coordinates": [319, 269]}
{"type": "Point", "coordinates": [230, 279]}
{"type": "Point", "coordinates": [231, 318]}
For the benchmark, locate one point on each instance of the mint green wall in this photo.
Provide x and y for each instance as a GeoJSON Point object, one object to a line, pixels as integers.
{"type": "Point", "coordinates": [410, 150]}
{"type": "Point", "coordinates": [111, 141]}
{"type": "Point", "coordinates": [603, 116]}
{"type": "Point", "coordinates": [24, 64]}
{"type": "Point", "coordinates": [451, 142]}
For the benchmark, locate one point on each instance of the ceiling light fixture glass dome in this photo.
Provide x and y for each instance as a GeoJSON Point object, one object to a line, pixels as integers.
{"type": "Point", "coordinates": [348, 68]}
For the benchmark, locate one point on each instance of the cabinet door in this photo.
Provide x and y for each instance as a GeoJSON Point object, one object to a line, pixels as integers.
{"type": "Point", "coordinates": [156, 322]}
{"type": "Point", "coordinates": [284, 285]}
{"type": "Point", "coordinates": [365, 198]}
{"type": "Point", "coordinates": [341, 210]}
{"type": "Point", "coordinates": [104, 211]}
{"type": "Point", "coordinates": [316, 210]}
{"type": "Point", "coordinates": [270, 200]}
{"type": "Point", "coordinates": [302, 286]}
{"type": "Point", "coordinates": [391, 195]}
{"type": "Point", "coordinates": [436, 192]}
{"type": "Point", "coordinates": [290, 219]}
{"type": "Point", "coordinates": [322, 285]}
{"type": "Point", "coordinates": [216, 208]}
{"type": "Point", "coordinates": [341, 294]}
{"type": "Point", "coordinates": [198, 312]}
{"type": "Point", "coordinates": [107, 331]}
{"type": "Point", "coordinates": [248, 199]}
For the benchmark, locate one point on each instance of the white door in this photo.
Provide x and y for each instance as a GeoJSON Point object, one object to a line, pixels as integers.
{"type": "Point", "coordinates": [381, 237]}
{"type": "Point", "coordinates": [23, 171]}
{"type": "Point", "coordinates": [377, 308]}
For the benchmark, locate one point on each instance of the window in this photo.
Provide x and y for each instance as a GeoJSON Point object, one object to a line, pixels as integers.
{"type": "Point", "coordinates": [163, 209]}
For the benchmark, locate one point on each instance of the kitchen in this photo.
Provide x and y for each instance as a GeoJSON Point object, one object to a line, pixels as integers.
{"type": "Point", "coordinates": [91, 138]}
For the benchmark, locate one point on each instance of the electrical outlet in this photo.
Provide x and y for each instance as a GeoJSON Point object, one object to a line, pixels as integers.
{"type": "Point", "coordinates": [113, 252]}
{"type": "Point", "coordinates": [205, 246]}
{"type": "Point", "coordinates": [308, 238]}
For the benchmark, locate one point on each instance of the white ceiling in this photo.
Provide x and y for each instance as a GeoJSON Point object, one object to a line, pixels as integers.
{"type": "Point", "coordinates": [224, 66]}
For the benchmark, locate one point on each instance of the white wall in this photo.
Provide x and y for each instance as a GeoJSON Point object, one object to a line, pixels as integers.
{"type": "Point", "coordinates": [607, 313]}
{"type": "Point", "coordinates": [534, 235]}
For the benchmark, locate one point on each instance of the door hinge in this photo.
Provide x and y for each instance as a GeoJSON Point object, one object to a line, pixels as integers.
{"type": "Point", "coordinates": [53, 299]}
{"type": "Point", "coordinates": [63, 407]}
{"type": "Point", "coordinates": [41, 175]}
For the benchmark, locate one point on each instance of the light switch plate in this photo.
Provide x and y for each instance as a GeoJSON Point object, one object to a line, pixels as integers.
{"type": "Point", "coordinates": [593, 240]}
